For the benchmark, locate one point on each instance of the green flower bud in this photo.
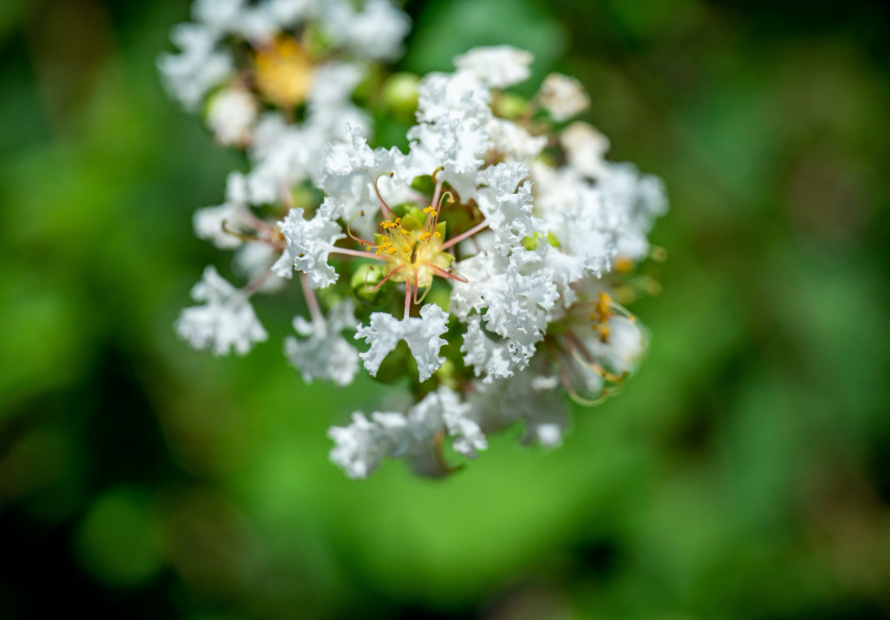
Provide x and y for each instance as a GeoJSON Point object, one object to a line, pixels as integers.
{"type": "Point", "coordinates": [399, 94]}
{"type": "Point", "coordinates": [365, 279]}
{"type": "Point", "coordinates": [424, 184]}
{"type": "Point", "coordinates": [510, 106]}
{"type": "Point", "coordinates": [531, 243]}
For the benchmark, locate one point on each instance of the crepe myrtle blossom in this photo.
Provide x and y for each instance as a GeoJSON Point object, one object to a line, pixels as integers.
{"type": "Point", "coordinates": [237, 58]}
{"type": "Point", "coordinates": [324, 354]}
{"type": "Point", "coordinates": [487, 269]}
{"type": "Point", "coordinates": [225, 321]}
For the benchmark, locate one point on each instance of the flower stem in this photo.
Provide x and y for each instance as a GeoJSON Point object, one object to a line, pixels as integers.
{"type": "Point", "coordinates": [311, 299]}
{"type": "Point", "coordinates": [407, 299]}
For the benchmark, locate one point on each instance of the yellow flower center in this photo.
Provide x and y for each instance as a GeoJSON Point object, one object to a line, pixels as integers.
{"type": "Point", "coordinates": [283, 72]}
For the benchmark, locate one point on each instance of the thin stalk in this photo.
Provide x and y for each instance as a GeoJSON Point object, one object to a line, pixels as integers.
{"type": "Point", "coordinates": [336, 250]}
{"type": "Point", "coordinates": [311, 299]}
{"type": "Point", "coordinates": [463, 236]}
{"type": "Point", "coordinates": [407, 299]}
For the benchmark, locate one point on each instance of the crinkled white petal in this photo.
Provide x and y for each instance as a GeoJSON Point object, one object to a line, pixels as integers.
{"type": "Point", "coordinates": [335, 82]}
{"type": "Point", "coordinates": [423, 336]}
{"type": "Point", "coordinates": [515, 143]}
{"type": "Point", "coordinates": [499, 66]}
{"type": "Point", "coordinates": [637, 199]}
{"type": "Point", "coordinates": [219, 16]}
{"type": "Point", "coordinates": [489, 359]}
{"type": "Point", "coordinates": [197, 68]}
{"type": "Point", "coordinates": [224, 322]}
{"type": "Point", "coordinates": [375, 32]}
{"type": "Point", "coordinates": [528, 397]}
{"type": "Point", "coordinates": [208, 224]}
{"type": "Point", "coordinates": [563, 96]}
{"type": "Point", "coordinates": [308, 243]}
{"type": "Point", "coordinates": [324, 353]}
{"type": "Point", "coordinates": [231, 116]}
{"type": "Point", "coordinates": [585, 148]}
{"type": "Point", "coordinates": [517, 298]}
{"type": "Point", "coordinates": [360, 447]}
{"type": "Point", "coordinates": [506, 203]}
{"type": "Point", "coordinates": [351, 169]}
{"type": "Point", "coordinates": [452, 131]}
{"type": "Point", "coordinates": [622, 350]}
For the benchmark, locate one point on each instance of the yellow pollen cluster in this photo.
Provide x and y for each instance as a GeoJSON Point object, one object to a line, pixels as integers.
{"type": "Point", "coordinates": [602, 311]}
{"type": "Point", "coordinates": [430, 210]}
{"type": "Point", "coordinates": [283, 72]}
{"type": "Point", "coordinates": [387, 225]}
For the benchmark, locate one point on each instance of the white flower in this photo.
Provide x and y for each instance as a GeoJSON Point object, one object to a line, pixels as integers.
{"type": "Point", "coordinates": [199, 66]}
{"type": "Point", "coordinates": [208, 223]}
{"type": "Point", "coordinates": [452, 131]}
{"type": "Point", "coordinates": [487, 357]}
{"type": "Point", "coordinates": [516, 303]}
{"type": "Point", "coordinates": [360, 447]}
{"type": "Point", "coordinates": [220, 16]}
{"type": "Point", "coordinates": [580, 219]}
{"type": "Point", "coordinates": [335, 82]}
{"type": "Point", "coordinates": [283, 156]}
{"type": "Point", "coordinates": [376, 32]}
{"type": "Point", "coordinates": [637, 199]}
{"type": "Point", "coordinates": [226, 320]}
{"type": "Point", "coordinates": [351, 169]}
{"type": "Point", "coordinates": [231, 116]}
{"type": "Point", "coordinates": [325, 353]}
{"type": "Point", "coordinates": [499, 66]}
{"type": "Point", "coordinates": [507, 205]}
{"type": "Point", "coordinates": [528, 397]}
{"type": "Point", "coordinates": [309, 242]}
{"type": "Point", "coordinates": [289, 13]}
{"type": "Point", "coordinates": [563, 96]}
{"type": "Point", "coordinates": [423, 336]}
{"type": "Point", "coordinates": [586, 149]}
{"type": "Point", "coordinates": [514, 142]}
{"type": "Point", "coordinates": [252, 259]}
{"type": "Point", "coordinates": [622, 350]}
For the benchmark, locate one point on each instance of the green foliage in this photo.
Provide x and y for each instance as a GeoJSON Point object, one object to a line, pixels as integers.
{"type": "Point", "coordinates": [742, 474]}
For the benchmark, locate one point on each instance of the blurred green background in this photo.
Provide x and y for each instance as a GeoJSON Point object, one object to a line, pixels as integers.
{"type": "Point", "coordinates": [743, 473]}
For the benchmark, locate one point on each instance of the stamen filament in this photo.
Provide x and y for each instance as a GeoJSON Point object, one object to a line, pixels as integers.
{"type": "Point", "coordinates": [383, 281]}
{"type": "Point", "coordinates": [337, 250]}
{"type": "Point", "coordinates": [353, 237]}
{"type": "Point", "coordinates": [242, 236]}
{"type": "Point", "coordinates": [445, 274]}
{"type": "Point", "coordinates": [463, 236]}
{"type": "Point", "coordinates": [425, 293]}
{"type": "Point", "coordinates": [380, 198]}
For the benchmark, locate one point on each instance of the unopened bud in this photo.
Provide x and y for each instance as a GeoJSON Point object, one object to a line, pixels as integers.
{"type": "Point", "coordinates": [365, 282]}
{"type": "Point", "coordinates": [400, 94]}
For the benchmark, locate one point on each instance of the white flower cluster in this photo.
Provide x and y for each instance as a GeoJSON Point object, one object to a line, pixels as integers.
{"type": "Point", "coordinates": [484, 267]}
{"type": "Point", "coordinates": [238, 58]}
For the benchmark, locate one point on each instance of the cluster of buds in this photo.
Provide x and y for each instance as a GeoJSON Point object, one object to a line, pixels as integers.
{"type": "Point", "coordinates": [482, 270]}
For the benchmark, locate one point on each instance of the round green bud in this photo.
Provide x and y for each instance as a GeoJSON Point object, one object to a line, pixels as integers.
{"type": "Point", "coordinates": [400, 94]}
{"type": "Point", "coordinates": [510, 106]}
{"type": "Point", "coordinates": [364, 282]}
